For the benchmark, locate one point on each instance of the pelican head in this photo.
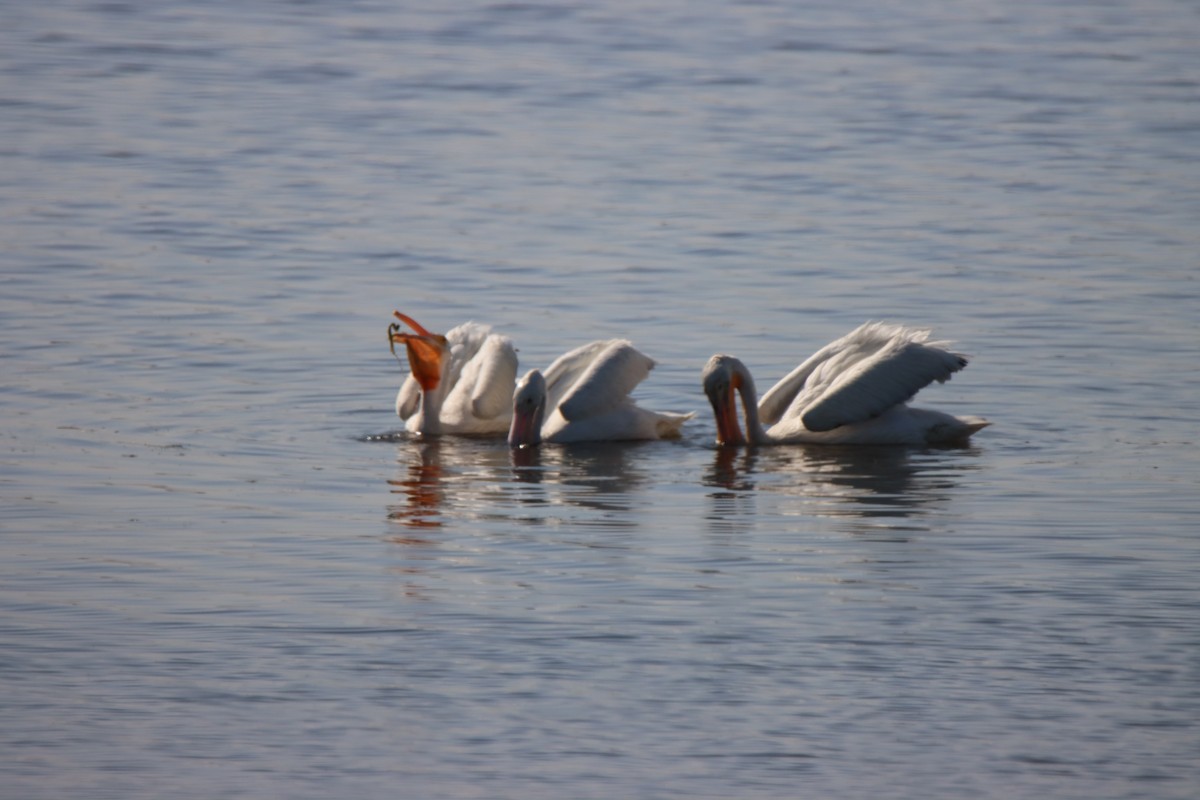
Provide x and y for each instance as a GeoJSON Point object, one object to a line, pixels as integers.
{"type": "Point", "coordinates": [724, 377]}
{"type": "Point", "coordinates": [529, 410]}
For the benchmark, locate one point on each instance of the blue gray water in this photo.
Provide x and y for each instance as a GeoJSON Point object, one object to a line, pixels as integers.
{"type": "Point", "coordinates": [224, 572]}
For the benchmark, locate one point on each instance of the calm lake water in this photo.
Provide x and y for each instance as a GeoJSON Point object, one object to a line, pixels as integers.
{"type": "Point", "coordinates": [225, 572]}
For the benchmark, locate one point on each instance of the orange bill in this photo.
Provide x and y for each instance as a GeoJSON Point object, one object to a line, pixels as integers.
{"type": "Point", "coordinates": [425, 350]}
{"type": "Point", "coordinates": [424, 358]}
{"type": "Point", "coordinates": [725, 412]}
{"type": "Point", "coordinates": [412, 323]}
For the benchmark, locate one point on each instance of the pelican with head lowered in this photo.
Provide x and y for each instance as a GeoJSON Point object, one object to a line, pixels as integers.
{"type": "Point", "coordinates": [854, 390]}
{"type": "Point", "coordinates": [460, 382]}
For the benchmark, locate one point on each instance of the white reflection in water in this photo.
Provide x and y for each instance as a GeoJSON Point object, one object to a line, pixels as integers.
{"type": "Point", "coordinates": [888, 487]}
{"type": "Point", "coordinates": [440, 477]}
{"type": "Point", "coordinates": [453, 478]}
{"type": "Point", "coordinates": [600, 476]}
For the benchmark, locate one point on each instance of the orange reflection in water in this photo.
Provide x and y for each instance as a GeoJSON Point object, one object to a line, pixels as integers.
{"type": "Point", "coordinates": [422, 492]}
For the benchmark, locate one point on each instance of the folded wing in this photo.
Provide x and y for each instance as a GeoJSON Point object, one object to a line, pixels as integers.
{"type": "Point", "coordinates": [494, 377]}
{"type": "Point", "coordinates": [566, 370]}
{"type": "Point", "coordinates": [615, 369]}
{"type": "Point", "coordinates": [887, 377]}
{"type": "Point", "coordinates": [408, 399]}
{"type": "Point", "coordinates": [859, 376]}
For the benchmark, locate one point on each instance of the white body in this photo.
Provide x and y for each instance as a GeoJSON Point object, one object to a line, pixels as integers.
{"type": "Point", "coordinates": [852, 391]}
{"type": "Point", "coordinates": [474, 394]}
{"type": "Point", "coordinates": [584, 397]}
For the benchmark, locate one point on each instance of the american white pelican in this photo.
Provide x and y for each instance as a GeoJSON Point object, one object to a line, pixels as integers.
{"type": "Point", "coordinates": [584, 397]}
{"type": "Point", "coordinates": [852, 391]}
{"type": "Point", "coordinates": [460, 383]}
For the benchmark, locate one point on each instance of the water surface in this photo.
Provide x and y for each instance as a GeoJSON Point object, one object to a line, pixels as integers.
{"type": "Point", "coordinates": [225, 571]}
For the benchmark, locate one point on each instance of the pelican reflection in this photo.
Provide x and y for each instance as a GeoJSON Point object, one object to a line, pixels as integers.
{"type": "Point", "coordinates": [448, 479]}
{"type": "Point", "coordinates": [420, 487]}
{"type": "Point", "coordinates": [596, 475]}
{"type": "Point", "coordinates": [439, 474]}
{"type": "Point", "coordinates": [865, 483]}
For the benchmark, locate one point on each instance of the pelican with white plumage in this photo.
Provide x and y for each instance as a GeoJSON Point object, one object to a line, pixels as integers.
{"type": "Point", "coordinates": [584, 397]}
{"type": "Point", "coordinates": [854, 390]}
{"type": "Point", "coordinates": [460, 382]}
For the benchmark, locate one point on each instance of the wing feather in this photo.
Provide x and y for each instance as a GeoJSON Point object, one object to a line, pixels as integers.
{"type": "Point", "coordinates": [408, 398]}
{"type": "Point", "coordinates": [614, 372]}
{"type": "Point", "coordinates": [565, 370]}
{"type": "Point", "coordinates": [782, 395]}
{"type": "Point", "coordinates": [889, 376]}
{"type": "Point", "coordinates": [494, 378]}
{"type": "Point", "coordinates": [465, 341]}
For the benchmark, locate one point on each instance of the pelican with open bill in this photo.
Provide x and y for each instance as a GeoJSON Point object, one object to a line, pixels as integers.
{"type": "Point", "coordinates": [460, 382]}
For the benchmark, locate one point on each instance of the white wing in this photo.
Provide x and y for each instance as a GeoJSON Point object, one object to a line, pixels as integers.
{"type": "Point", "coordinates": [465, 341]}
{"type": "Point", "coordinates": [890, 366]}
{"type": "Point", "coordinates": [782, 395]}
{"type": "Point", "coordinates": [408, 399]}
{"type": "Point", "coordinates": [492, 374]}
{"type": "Point", "coordinates": [606, 383]}
{"type": "Point", "coordinates": [486, 373]}
{"type": "Point", "coordinates": [565, 370]}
